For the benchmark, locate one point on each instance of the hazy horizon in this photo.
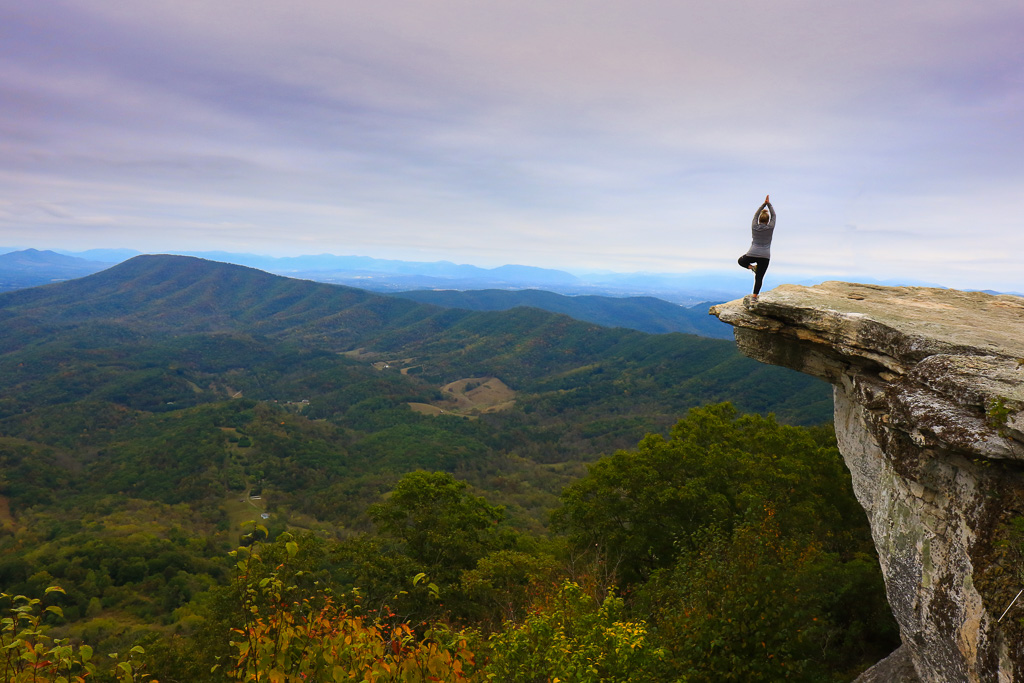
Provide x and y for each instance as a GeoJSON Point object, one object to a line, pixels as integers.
{"type": "Point", "coordinates": [632, 137]}
{"type": "Point", "coordinates": [725, 280]}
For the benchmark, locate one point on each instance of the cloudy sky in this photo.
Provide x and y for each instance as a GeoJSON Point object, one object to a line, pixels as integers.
{"type": "Point", "coordinates": [579, 134]}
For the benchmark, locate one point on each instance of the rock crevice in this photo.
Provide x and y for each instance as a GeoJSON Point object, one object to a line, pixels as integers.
{"type": "Point", "coordinates": [929, 414]}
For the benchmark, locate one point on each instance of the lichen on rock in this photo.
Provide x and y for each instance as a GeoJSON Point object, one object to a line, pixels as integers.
{"type": "Point", "coordinates": [929, 414]}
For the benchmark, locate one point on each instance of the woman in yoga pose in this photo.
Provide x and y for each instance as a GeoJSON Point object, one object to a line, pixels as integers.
{"type": "Point", "coordinates": [756, 258]}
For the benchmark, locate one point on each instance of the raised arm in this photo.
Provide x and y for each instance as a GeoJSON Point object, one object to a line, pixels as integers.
{"type": "Point", "coordinates": [771, 210]}
{"type": "Point", "coordinates": [757, 213]}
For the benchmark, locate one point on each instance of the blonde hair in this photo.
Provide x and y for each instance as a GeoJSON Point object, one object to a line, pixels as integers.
{"type": "Point", "coordinates": [764, 216]}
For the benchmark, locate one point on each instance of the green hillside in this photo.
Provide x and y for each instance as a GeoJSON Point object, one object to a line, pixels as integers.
{"type": "Point", "coordinates": [148, 411]}
{"type": "Point", "coordinates": [176, 294]}
{"type": "Point", "coordinates": [89, 365]}
{"type": "Point", "coordinates": [176, 331]}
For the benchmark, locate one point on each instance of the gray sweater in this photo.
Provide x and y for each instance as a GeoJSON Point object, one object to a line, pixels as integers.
{"type": "Point", "coordinates": [761, 245]}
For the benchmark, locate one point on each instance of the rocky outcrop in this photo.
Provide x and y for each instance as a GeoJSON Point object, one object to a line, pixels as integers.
{"type": "Point", "coordinates": [929, 413]}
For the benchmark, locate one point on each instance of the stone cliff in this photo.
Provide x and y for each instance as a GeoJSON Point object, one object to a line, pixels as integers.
{"type": "Point", "coordinates": [929, 413]}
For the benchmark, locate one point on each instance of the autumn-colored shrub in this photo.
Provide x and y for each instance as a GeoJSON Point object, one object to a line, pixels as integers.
{"type": "Point", "coordinates": [28, 654]}
{"type": "Point", "coordinates": [288, 637]}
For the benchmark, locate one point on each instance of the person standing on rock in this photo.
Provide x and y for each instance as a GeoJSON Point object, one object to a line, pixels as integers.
{"type": "Point", "coordinates": [756, 258]}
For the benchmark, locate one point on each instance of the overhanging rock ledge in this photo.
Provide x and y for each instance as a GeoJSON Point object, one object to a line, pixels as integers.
{"type": "Point", "coordinates": [929, 413]}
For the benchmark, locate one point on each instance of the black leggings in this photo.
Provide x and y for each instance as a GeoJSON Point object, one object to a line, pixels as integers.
{"type": "Point", "coordinates": [762, 266]}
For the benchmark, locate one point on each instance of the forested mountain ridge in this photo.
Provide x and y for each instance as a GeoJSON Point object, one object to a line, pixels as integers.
{"type": "Point", "coordinates": [154, 301]}
{"type": "Point", "coordinates": [282, 299]}
{"type": "Point", "coordinates": [86, 364]}
{"type": "Point", "coordinates": [184, 294]}
{"type": "Point", "coordinates": [82, 361]}
{"type": "Point", "coordinates": [647, 314]}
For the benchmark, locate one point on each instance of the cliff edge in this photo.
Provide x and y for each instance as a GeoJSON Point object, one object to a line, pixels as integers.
{"type": "Point", "coordinates": [929, 413]}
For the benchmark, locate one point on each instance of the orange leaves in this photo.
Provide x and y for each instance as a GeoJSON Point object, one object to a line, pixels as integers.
{"type": "Point", "coordinates": [330, 644]}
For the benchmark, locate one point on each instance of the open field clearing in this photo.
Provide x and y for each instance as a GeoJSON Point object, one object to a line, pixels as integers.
{"type": "Point", "coordinates": [470, 397]}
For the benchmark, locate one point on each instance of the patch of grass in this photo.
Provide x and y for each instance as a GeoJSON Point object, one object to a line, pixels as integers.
{"type": "Point", "coordinates": [997, 413]}
{"type": "Point", "coordinates": [240, 508]}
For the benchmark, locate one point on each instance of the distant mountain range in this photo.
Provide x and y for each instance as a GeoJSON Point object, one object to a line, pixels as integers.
{"type": "Point", "coordinates": [387, 275]}
{"type": "Point", "coordinates": [30, 268]}
{"type": "Point", "coordinates": [646, 314]}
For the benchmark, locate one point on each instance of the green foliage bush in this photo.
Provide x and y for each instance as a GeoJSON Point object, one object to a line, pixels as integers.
{"type": "Point", "coordinates": [747, 550]}
{"type": "Point", "coordinates": [505, 583]}
{"type": "Point", "coordinates": [757, 606]}
{"type": "Point", "coordinates": [441, 525]}
{"type": "Point", "coordinates": [717, 470]}
{"type": "Point", "coordinates": [575, 638]}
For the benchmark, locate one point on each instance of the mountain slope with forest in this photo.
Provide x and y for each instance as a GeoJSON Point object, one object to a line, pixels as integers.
{"type": "Point", "coordinates": [152, 302]}
{"type": "Point", "coordinates": [179, 293]}
{"type": "Point", "coordinates": [148, 411]}
{"type": "Point", "coordinates": [647, 314]}
{"type": "Point", "coordinates": [85, 364]}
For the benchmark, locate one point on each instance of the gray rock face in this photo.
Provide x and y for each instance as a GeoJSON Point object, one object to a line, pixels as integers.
{"type": "Point", "coordinates": [929, 413]}
{"type": "Point", "coordinates": [896, 668]}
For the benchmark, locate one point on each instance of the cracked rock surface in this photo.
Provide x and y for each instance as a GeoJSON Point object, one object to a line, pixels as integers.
{"type": "Point", "coordinates": [929, 413]}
